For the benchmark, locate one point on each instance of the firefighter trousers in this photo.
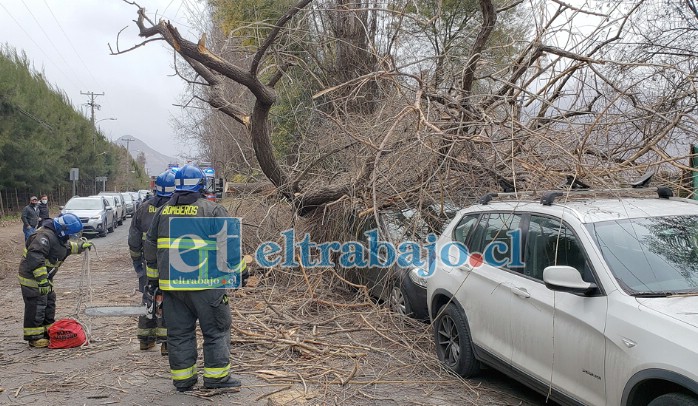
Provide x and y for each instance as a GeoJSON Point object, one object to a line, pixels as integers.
{"type": "Point", "coordinates": [39, 312]}
{"type": "Point", "coordinates": [181, 310]}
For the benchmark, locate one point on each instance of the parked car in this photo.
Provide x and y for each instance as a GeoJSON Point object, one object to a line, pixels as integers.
{"type": "Point", "coordinates": [136, 199]}
{"type": "Point", "coordinates": [113, 202]}
{"type": "Point", "coordinates": [129, 204]}
{"type": "Point", "coordinates": [95, 213]}
{"type": "Point", "coordinates": [403, 289]}
{"type": "Point", "coordinates": [593, 301]}
{"type": "Point", "coordinates": [144, 194]}
{"type": "Point", "coordinates": [120, 205]}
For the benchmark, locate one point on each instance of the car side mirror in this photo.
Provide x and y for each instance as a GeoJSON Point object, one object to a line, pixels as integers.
{"type": "Point", "coordinates": [563, 278]}
{"type": "Point", "coordinates": [109, 207]}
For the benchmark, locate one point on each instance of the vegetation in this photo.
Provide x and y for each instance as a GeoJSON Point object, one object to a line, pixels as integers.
{"type": "Point", "coordinates": [42, 135]}
{"type": "Point", "coordinates": [362, 105]}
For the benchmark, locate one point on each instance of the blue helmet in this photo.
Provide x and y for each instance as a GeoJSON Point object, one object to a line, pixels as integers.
{"type": "Point", "coordinates": [189, 178]}
{"type": "Point", "coordinates": [67, 224]}
{"type": "Point", "coordinates": [165, 184]}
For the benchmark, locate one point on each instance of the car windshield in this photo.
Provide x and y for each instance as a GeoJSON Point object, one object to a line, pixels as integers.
{"type": "Point", "coordinates": [127, 198]}
{"type": "Point", "coordinates": [655, 256]}
{"type": "Point", "coordinates": [84, 204]}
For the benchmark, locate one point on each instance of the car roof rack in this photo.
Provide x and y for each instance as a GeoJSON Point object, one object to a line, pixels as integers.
{"type": "Point", "coordinates": [575, 187]}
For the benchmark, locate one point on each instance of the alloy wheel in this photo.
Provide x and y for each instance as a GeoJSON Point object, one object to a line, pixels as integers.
{"type": "Point", "coordinates": [449, 340]}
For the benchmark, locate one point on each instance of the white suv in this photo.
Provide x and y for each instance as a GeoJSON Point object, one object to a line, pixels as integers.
{"type": "Point", "coordinates": [592, 301]}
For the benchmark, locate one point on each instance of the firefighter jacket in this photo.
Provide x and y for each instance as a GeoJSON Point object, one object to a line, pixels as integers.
{"type": "Point", "coordinates": [140, 224]}
{"type": "Point", "coordinates": [157, 242]}
{"type": "Point", "coordinates": [43, 254]}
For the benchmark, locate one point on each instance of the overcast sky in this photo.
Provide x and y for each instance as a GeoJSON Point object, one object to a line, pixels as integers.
{"type": "Point", "coordinates": [68, 40]}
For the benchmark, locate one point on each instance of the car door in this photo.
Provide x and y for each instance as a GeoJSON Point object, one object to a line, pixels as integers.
{"type": "Point", "coordinates": [580, 322]}
{"type": "Point", "coordinates": [487, 295]}
{"type": "Point", "coordinates": [532, 306]}
{"type": "Point", "coordinates": [557, 336]}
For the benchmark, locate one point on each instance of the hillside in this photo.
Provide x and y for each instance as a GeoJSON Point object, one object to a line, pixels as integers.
{"type": "Point", "coordinates": [155, 162]}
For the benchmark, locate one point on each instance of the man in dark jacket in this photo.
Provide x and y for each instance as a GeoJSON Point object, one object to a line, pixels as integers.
{"type": "Point", "coordinates": [150, 329]}
{"type": "Point", "coordinates": [30, 217]}
{"type": "Point", "coordinates": [184, 305]}
{"type": "Point", "coordinates": [45, 252]}
{"type": "Point", "coordinates": [43, 209]}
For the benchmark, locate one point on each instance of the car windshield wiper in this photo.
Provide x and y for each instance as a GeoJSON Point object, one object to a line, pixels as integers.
{"type": "Point", "coordinates": [665, 294]}
{"type": "Point", "coordinates": [653, 294]}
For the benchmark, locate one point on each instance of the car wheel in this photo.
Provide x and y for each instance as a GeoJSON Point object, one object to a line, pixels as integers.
{"type": "Point", "coordinates": [111, 229]}
{"type": "Point", "coordinates": [121, 222]}
{"type": "Point", "coordinates": [674, 399]}
{"type": "Point", "coordinates": [103, 231]}
{"type": "Point", "coordinates": [398, 301]}
{"type": "Point", "coordinates": [454, 346]}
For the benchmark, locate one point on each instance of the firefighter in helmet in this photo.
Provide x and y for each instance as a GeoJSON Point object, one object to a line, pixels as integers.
{"type": "Point", "coordinates": [151, 329]}
{"type": "Point", "coordinates": [184, 306]}
{"type": "Point", "coordinates": [44, 252]}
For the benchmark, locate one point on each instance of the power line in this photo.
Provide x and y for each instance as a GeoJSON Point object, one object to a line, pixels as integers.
{"type": "Point", "coordinates": [70, 42]}
{"type": "Point", "coordinates": [37, 45]}
{"type": "Point", "coordinates": [45, 34]}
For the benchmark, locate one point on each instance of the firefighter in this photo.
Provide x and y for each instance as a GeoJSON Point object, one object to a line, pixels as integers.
{"type": "Point", "coordinates": [45, 251]}
{"type": "Point", "coordinates": [150, 329]}
{"type": "Point", "coordinates": [182, 308]}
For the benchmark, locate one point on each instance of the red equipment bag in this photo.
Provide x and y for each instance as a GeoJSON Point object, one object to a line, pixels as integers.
{"type": "Point", "coordinates": [66, 333]}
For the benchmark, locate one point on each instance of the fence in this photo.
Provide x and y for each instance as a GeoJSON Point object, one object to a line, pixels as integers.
{"type": "Point", "coordinates": [12, 201]}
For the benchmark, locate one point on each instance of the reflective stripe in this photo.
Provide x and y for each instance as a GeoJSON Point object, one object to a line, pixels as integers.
{"type": "Point", "coordinates": [50, 264]}
{"type": "Point", "coordinates": [24, 253]}
{"type": "Point", "coordinates": [187, 243]}
{"type": "Point", "coordinates": [165, 285]}
{"type": "Point", "coordinates": [34, 331]}
{"type": "Point", "coordinates": [183, 374]}
{"type": "Point", "coordinates": [32, 283]}
{"type": "Point", "coordinates": [145, 332]}
{"type": "Point", "coordinates": [144, 234]}
{"type": "Point", "coordinates": [152, 273]}
{"type": "Point", "coordinates": [161, 331]}
{"type": "Point", "coordinates": [217, 372]}
{"type": "Point", "coordinates": [40, 273]}
{"type": "Point", "coordinates": [190, 182]}
{"type": "Point", "coordinates": [135, 254]}
{"type": "Point", "coordinates": [74, 247]}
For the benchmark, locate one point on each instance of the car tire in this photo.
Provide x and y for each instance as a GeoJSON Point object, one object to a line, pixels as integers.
{"type": "Point", "coordinates": [121, 222]}
{"type": "Point", "coordinates": [454, 346]}
{"type": "Point", "coordinates": [674, 399]}
{"type": "Point", "coordinates": [111, 229]}
{"type": "Point", "coordinates": [398, 300]}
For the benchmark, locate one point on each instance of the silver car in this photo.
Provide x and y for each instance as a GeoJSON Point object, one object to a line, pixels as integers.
{"type": "Point", "coordinates": [119, 204]}
{"type": "Point", "coordinates": [95, 213]}
{"type": "Point", "coordinates": [130, 204]}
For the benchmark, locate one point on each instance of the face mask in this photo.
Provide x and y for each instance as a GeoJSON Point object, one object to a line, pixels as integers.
{"type": "Point", "coordinates": [44, 201]}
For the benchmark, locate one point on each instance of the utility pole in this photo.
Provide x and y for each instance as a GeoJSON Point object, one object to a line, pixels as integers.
{"type": "Point", "coordinates": [128, 171]}
{"type": "Point", "coordinates": [93, 106]}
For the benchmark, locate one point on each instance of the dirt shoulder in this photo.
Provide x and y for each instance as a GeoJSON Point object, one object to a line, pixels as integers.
{"type": "Point", "coordinates": [297, 339]}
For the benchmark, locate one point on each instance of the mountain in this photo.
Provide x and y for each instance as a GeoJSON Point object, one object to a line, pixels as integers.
{"type": "Point", "coordinates": [155, 162]}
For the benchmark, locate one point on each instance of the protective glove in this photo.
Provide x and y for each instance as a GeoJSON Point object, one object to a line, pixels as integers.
{"type": "Point", "coordinates": [84, 245]}
{"type": "Point", "coordinates": [45, 287]}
